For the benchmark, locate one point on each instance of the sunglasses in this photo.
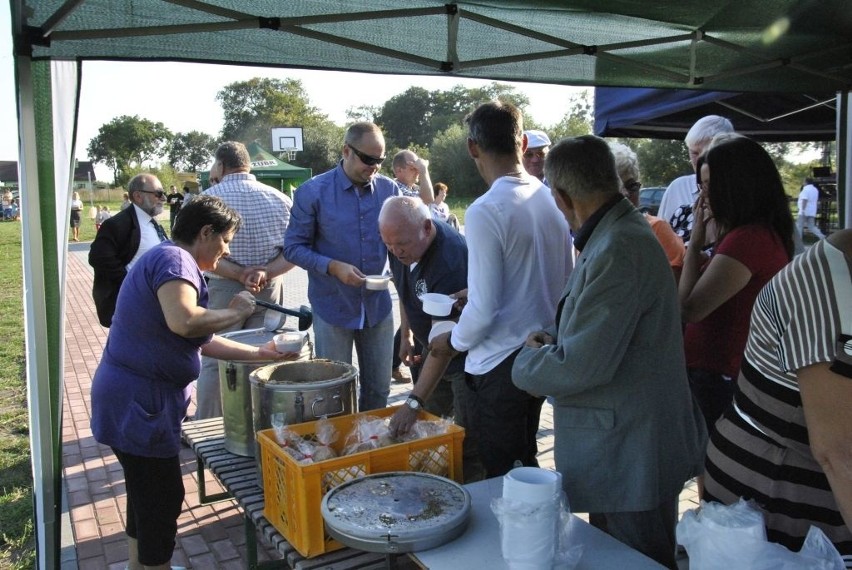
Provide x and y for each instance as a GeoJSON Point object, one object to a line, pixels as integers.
{"type": "Point", "coordinates": [366, 158]}
{"type": "Point", "coordinates": [159, 193]}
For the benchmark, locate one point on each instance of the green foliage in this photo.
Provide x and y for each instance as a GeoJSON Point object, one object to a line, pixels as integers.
{"type": "Point", "coordinates": [576, 122]}
{"type": "Point", "coordinates": [451, 164]}
{"type": "Point", "coordinates": [660, 161]}
{"type": "Point", "coordinates": [416, 116]}
{"type": "Point", "coordinates": [17, 546]}
{"type": "Point", "coordinates": [323, 146]}
{"type": "Point", "coordinates": [164, 173]}
{"type": "Point", "coordinates": [252, 108]}
{"type": "Point", "coordinates": [128, 141]}
{"type": "Point", "coordinates": [191, 151]}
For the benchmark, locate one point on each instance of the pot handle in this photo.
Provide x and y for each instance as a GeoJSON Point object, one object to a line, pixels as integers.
{"type": "Point", "coordinates": [319, 399]}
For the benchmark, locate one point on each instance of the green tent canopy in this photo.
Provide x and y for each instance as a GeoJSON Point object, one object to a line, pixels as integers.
{"type": "Point", "coordinates": [270, 170]}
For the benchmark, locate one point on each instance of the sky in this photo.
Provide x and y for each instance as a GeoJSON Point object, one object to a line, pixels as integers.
{"type": "Point", "coordinates": [182, 95]}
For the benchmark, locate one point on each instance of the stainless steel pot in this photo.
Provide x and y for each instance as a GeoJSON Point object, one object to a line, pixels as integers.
{"type": "Point", "coordinates": [304, 391]}
{"type": "Point", "coordinates": [396, 512]}
{"type": "Point", "coordinates": [235, 387]}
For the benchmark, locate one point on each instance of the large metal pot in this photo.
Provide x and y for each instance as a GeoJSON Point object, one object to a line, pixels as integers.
{"type": "Point", "coordinates": [304, 391]}
{"type": "Point", "coordinates": [235, 388]}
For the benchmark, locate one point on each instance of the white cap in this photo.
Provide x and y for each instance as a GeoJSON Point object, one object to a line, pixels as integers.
{"type": "Point", "coordinates": [537, 139]}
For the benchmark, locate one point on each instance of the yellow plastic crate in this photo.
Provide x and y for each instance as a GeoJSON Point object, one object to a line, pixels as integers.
{"type": "Point", "coordinates": [293, 492]}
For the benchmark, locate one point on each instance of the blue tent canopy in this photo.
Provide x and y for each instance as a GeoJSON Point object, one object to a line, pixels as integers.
{"type": "Point", "coordinates": [669, 113]}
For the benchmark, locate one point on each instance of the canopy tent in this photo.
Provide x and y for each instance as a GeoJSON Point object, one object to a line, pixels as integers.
{"type": "Point", "coordinates": [730, 45]}
{"type": "Point", "coordinates": [270, 170]}
{"type": "Point", "coordinates": [669, 113]}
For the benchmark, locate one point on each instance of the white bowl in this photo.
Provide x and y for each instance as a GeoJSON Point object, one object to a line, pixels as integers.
{"type": "Point", "coordinates": [377, 282]}
{"type": "Point", "coordinates": [290, 341]}
{"type": "Point", "coordinates": [441, 327]}
{"type": "Point", "coordinates": [436, 304]}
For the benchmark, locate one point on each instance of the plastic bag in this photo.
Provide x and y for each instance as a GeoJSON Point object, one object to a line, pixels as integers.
{"type": "Point", "coordinates": [732, 537]}
{"type": "Point", "coordinates": [537, 536]}
{"type": "Point", "coordinates": [326, 435]}
{"type": "Point", "coordinates": [368, 433]}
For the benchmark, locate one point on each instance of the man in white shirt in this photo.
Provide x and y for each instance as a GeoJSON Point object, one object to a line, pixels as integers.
{"type": "Point", "coordinates": [538, 144]}
{"type": "Point", "coordinates": [808, 200]}
{"type": "Point", "coordinates": [680, 196]}
{"type": "Point", "coordinates": [519, 258]}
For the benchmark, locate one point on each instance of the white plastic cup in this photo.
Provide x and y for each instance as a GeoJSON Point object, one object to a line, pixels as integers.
{"type": "Point", "coordinates": [531, 485]}
{"type": "Point", "coordinates": [377, 282]}
{"type": "Point", "coordinates": [291, 341]}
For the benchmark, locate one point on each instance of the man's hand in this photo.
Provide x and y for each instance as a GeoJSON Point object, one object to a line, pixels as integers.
{"type": "Point", "coordinates": [402, 421]}
{"type": "Point", "coordinates": [346, 273]}
{"type": "Point", "coordinates": [406, 351]}
{"type": "Point", "coordinates": [440, 347]}
{"type": "Point", "coordinates": [254, 279]}
{"type": "Point", "coordinates": [538, 339]}
{"type": "Point", "coordinates": [461, 298]}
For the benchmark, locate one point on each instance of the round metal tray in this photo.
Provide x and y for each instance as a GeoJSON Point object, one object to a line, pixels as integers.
{"type": "Point", "coordinates": [396, 512]}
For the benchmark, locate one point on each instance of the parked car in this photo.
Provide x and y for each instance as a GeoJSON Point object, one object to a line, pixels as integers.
{"type": "Point", "coordinates": [650, 198]}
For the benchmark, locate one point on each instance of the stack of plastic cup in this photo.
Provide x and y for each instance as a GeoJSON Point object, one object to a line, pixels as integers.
{"type": "Point", "coordinates": [529, 526]}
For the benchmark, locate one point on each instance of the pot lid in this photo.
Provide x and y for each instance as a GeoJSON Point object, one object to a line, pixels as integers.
{"type": "Point", "coordinates": [396, 512]}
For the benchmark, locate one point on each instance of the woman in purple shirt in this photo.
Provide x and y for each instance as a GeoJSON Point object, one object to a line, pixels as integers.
{"type": "Point", "coordinates": [140, 390]}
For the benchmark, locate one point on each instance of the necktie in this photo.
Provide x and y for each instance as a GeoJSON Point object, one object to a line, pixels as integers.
{"type": "Point", "coordinates": [161, 233]}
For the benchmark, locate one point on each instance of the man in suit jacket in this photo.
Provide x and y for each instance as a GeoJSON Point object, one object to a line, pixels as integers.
{"type": "Point", "coordinates": [628, 434]}
{"type": "Point", "coordinates": [122, 239]}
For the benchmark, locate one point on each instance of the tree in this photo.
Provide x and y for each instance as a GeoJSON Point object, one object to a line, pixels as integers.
{"type": "Point", "coordinates": [416, 116]}
{"type": "Point", "coordinates": [577, 121]}
{"type": "Point", "coordinates": [451, 164]}
{"type": "Point", "coordinates": [191, 151]}
{"type": "Point", "coordinates": [253, 107]}
{"type": "Point", "coordinates": [660, 161]}
{"type": "Point", "coordinates": [323, 147]}
{"type": "Point", "coordinates": [126, 142]}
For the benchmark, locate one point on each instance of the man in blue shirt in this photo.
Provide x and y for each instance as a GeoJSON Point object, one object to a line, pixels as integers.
{"type": "Point", "coordinates": [334, 235]}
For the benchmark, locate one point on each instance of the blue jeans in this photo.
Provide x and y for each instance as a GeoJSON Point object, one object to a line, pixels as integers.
{"type": "Point", "coordinates": [374, 346]}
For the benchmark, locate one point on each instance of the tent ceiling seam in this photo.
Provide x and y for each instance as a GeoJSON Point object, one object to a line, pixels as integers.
{"type": "Point", "coordinates": [59, 16]}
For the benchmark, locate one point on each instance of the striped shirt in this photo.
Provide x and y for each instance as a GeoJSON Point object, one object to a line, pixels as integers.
{"type": "Point", "coordinates": [760, 449]}
{"type": "Point", "coordinates": [265, 213]}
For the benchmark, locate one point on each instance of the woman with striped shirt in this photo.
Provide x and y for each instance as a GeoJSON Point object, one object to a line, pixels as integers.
{"type": "Point", "coordinates": [786, 442]}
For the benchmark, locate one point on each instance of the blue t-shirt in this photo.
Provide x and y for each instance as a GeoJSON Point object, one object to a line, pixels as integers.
{"type": "Point", "coordinates": [140, 389]}
{"type": "Point", "coordinates": [442, 269]}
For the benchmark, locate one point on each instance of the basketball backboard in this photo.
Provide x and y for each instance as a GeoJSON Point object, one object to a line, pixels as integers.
{"type": "Point", "coordinates": [287, 139]}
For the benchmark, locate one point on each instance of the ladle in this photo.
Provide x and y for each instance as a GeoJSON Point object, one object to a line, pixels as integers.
{"type": "Point", "coordinates": [306, 316]}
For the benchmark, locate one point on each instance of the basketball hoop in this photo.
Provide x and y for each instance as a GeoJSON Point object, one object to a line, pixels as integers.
{"type": "Point", "coordinates": [288, 153]}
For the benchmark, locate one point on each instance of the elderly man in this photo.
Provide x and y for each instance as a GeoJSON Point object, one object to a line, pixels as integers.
{"type": "Point", "coordinates": [628, 434]}
{"type": "Point", "coordinates": [123, 239]}
{"type": "Point", "coordinates": [518, 261]}
{"type": "Point", "coordinates": [334, 235]}
{"type": "Point", "coordinates": [538, 143]}
{"type": "Point", "coordinates": [680, 196]}
{"type": "Point", "coordinates": [256, 262]}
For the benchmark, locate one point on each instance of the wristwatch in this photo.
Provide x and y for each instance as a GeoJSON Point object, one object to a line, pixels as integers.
{"type": "Point", "coordinates": [414, 402]}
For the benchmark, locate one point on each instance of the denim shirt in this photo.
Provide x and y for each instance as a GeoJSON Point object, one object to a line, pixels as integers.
{"type": "Point", "coordinates": [332, 219]}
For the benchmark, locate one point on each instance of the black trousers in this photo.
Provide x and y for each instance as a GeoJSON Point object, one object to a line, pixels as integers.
{"type": "Point", "coordinates": [154, 499]}
{"type": "Point", "coordinates": [503, 418]}
{"type": "Point", "coordinates": [650, 532]}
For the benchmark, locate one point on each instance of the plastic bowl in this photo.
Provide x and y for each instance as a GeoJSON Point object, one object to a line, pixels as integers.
{"type": "Point", "coordinates": [436, 304]}
{"type": "Point", "coordinates": [441, 327]}
{"type": "Point", "coordinates": [291, 341]}
{"type": "Point", "coordinates": [377, 282]}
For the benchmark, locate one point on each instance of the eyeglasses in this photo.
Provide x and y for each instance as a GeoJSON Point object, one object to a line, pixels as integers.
{"type": "Point", "coordinates": [159, 193]}
{"type": "Point", "coordinates": [539, 153]}
{"type": "Point", "coordinates": [366, 158]}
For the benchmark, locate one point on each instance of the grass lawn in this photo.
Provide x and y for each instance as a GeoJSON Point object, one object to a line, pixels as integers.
{"type": "Point", "coordinates": [17, 547]}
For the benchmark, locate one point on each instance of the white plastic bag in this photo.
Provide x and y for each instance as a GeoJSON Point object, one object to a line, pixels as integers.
{"type": "Point", "coordinates": [733, 537]}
